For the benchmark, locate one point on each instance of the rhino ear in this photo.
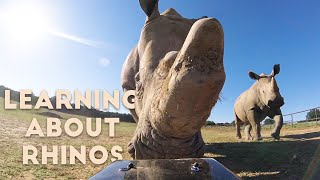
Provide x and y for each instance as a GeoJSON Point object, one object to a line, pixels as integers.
{"type": "Point", "coordinates": [253, 75]}
{"type": "Point", "coordinates": [276, 69]}
{"type": "Point", "coordinates": [148, 6]}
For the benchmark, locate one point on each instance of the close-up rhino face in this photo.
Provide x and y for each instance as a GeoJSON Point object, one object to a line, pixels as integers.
{"type": "Point", "coordinates": [268, 90]}
{"type": "Point", "coordinates": [169, 43]}
{"type": "Point", "coordinates": [178, 73]}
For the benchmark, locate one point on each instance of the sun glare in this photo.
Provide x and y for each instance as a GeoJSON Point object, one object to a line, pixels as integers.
{"type": "Point", "coordinates": [26, 23]}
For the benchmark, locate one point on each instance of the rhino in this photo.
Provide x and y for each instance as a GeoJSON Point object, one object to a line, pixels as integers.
{"type": "Point", "coordinates": [176, 71]}
{"type": "Point", "coordinates": [262, 99]}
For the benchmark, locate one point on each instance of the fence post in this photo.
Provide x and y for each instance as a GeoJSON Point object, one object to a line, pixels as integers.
{"type": "Point", "coordinates": [316, 111]}
{"type": "Point", "coordinates": [292, 120]}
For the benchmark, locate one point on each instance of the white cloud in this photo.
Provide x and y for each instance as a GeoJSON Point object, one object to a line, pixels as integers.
{"type": "Point", "coordinates": [104, 62]}
{"type": "Point", "coordinates": [77, 39]}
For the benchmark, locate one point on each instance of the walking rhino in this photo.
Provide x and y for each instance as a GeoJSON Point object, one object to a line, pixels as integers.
{"type": "Point", "coordinates": [262, 99]}
{"type": "Point", "coordinates": [177, 73]}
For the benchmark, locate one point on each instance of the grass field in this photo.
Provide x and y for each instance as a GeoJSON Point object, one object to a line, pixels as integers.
{"type": "Point", "coordinates": [294, 156]}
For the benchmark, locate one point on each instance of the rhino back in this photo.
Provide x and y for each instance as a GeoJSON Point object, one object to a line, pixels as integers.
{"type": "Point", "coordinates": [250, 100]}
{"type": "Point", "coordinates": [130, 70]}
{"type": "Point", "coordinates": [241, 106]}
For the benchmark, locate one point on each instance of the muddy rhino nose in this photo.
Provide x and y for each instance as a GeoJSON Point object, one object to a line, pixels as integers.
{"type": "Point", "coordinates": [281, 101]}
{"type": "Point", "coordinates": [276, 103]}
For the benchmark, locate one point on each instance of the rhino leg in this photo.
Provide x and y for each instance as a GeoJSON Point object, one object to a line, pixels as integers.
{"type": "Point", "coordinates": [257, 132]}
{"type": "Point", "coordinates": [278, 118]}
{"type": "Point", "coordinates": [254, 120]}
{"type": "Point", "coordinates": [247, 130]}
{"type": "Point", "coordinates": [193, 84]}
{"type": "Point", "coordinates": [237, 121]}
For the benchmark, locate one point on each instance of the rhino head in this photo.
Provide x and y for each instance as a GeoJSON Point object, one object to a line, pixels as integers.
{"type": "Point", "coordinates": [177, 73]}
{"type": "Point", "coordinates": [268, 90]}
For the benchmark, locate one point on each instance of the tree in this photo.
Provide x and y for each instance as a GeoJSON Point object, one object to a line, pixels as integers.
{"type": "Point", "coordinates": [233, 123]}
{"type": "Point", "coordinates": [268, 121]}
{"type": "Point", "coordinates": [313, 114]}
{"type": "Point", "coordinates": [210, 123]}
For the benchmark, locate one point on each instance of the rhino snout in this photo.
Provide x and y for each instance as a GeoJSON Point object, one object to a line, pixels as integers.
{"type": "Point", "coordinates": [278, 102]}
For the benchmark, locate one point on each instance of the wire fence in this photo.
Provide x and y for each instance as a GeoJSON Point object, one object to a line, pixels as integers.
{"type": "Point", "coordinates": [309, 115]}
{"type": "Point", "coordinates": [289, 119]}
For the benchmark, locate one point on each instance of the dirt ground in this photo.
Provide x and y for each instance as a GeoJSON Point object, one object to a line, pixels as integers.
{"type": "Point", "coordinates": [295, 156]}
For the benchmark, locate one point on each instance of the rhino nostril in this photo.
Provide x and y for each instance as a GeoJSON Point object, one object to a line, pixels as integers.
{"type": "Point", "coordinates": [270, 103]}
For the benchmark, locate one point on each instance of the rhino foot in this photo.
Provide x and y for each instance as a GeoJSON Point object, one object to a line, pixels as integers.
{"type": "Point", "coordinates": [257, 138]}
{"type": "Point", "coordinates": [275, 136]}
{"type": "Point", "coordinates": [238, 136]}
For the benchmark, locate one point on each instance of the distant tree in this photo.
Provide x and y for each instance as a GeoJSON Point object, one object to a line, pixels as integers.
{"type": "Point", "coordinates": [233, 123]}
{"type": "Point", "coordinates": [268, 121]}
{"type": "Point", "coordinates": [210, 123]}
{"type": "Point", "coordinates": [312, 114]}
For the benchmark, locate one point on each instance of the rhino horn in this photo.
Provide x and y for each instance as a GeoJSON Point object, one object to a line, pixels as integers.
{"type": "Point", "coordinates": [276, 70]}
{"type": "Point", "coordinates": [194, 82]}
{"type": "Point", "coordinates": [148, 6]}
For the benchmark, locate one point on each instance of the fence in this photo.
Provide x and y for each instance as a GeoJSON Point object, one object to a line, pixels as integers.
{"type": "Point", "coordinates": [301, 116]}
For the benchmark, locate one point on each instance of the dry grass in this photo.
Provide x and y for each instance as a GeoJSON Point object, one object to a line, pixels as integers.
{"type": "Point", "coordinates": [288, 158]}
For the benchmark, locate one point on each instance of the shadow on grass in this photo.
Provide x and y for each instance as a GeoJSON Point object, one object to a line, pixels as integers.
{"type": "Point", "coordinates": [273, 159]}
{"type": "Point", "coordinates": [304, 136]}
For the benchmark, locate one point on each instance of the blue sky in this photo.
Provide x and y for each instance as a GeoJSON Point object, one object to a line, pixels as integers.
{"type": "Point", "coordinates": [89, 41]}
